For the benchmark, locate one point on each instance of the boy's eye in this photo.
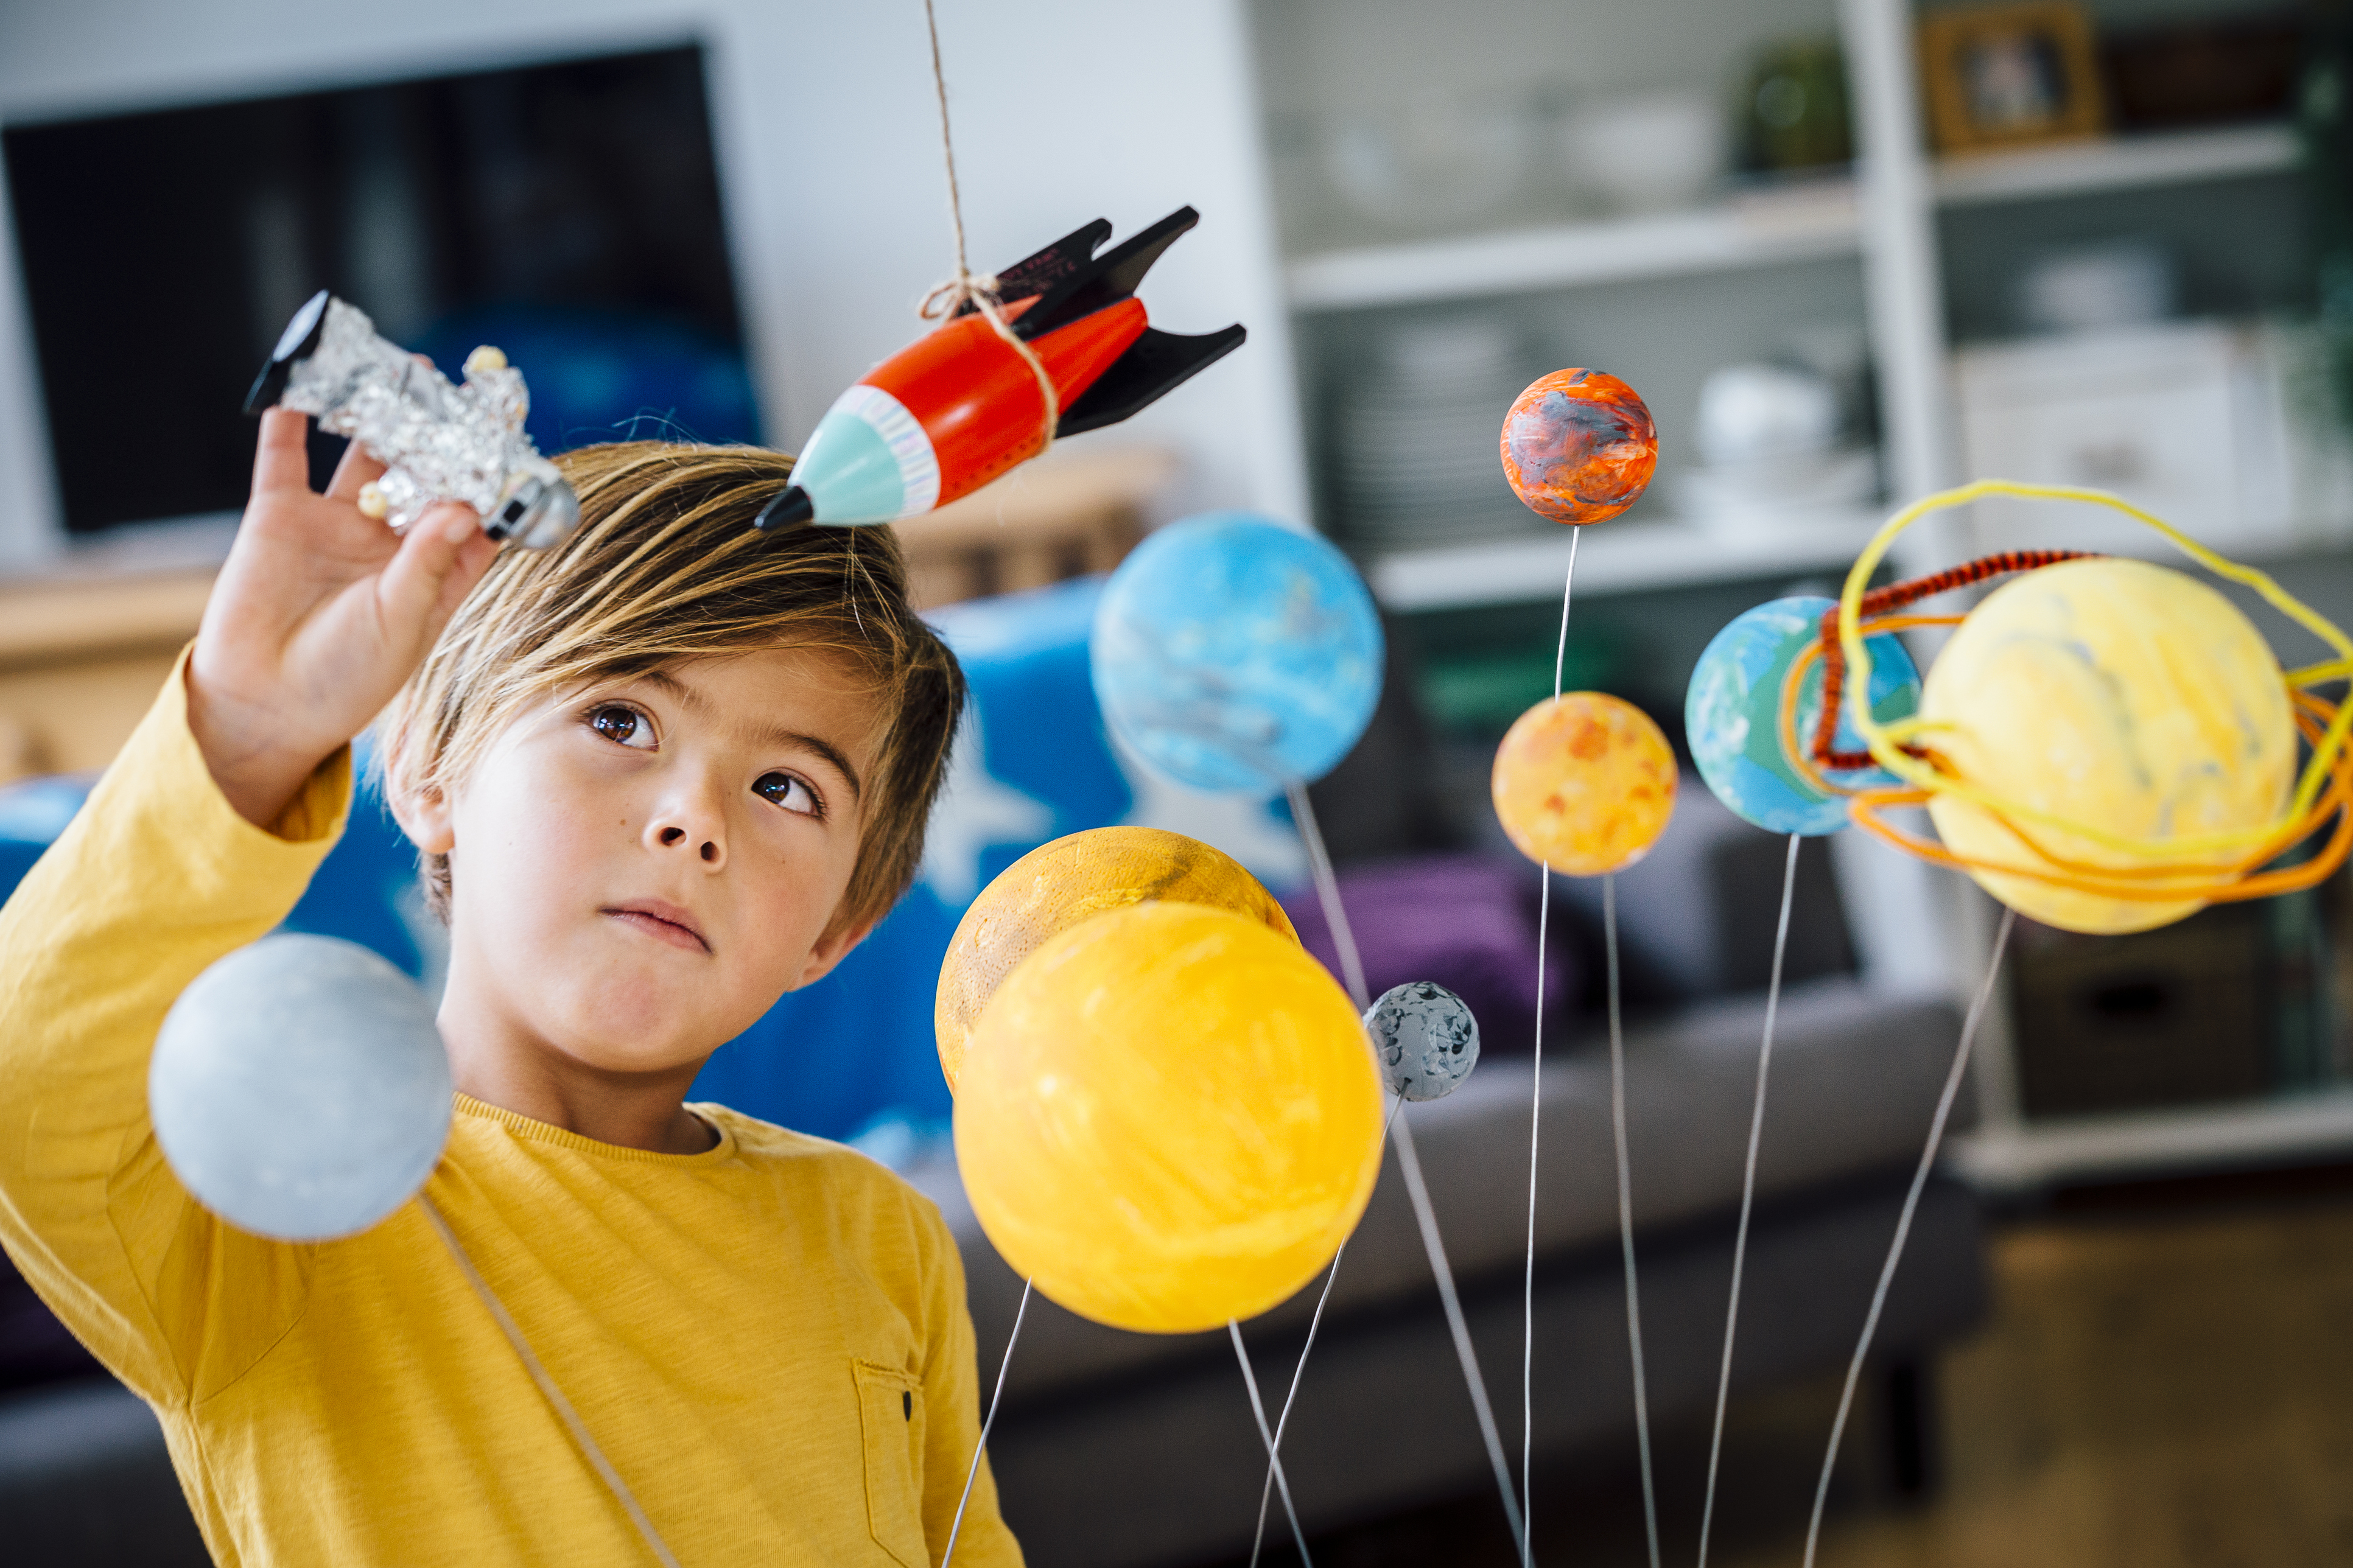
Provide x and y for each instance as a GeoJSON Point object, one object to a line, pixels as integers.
{"type": "Point", "coordinates": [623, 726]}
{"type": "Point", "coordinates": [792, 794]}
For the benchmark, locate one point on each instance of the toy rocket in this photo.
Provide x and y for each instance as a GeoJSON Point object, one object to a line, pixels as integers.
{"type": "Point", "coordinates": [958, 407]}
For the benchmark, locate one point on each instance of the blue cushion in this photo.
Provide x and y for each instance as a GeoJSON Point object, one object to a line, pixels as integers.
{"type": "Point", "coordinates": [365, 891]}
{"type": "Point", "coordinates": [856, 1049]}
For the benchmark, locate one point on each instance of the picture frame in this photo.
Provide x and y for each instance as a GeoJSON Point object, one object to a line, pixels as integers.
{"type": "Point", "coordinates": [2012, 75]}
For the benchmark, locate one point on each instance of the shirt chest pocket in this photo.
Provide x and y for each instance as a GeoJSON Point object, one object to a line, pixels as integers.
{"type": "Point", "coordinates": [891, 1417]}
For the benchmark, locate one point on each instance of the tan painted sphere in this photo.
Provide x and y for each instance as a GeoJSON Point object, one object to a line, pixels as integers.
{"type": "Point", "coordinates": [1057, 886]}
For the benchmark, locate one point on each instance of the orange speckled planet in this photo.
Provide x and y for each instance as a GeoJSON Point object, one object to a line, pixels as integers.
{"type": "Point", "coordinates": [1579, 446]}
{"type": "Point", "coordinates": [1057, 886]}
{"type": "Point", "coordinates": [1584, 783]}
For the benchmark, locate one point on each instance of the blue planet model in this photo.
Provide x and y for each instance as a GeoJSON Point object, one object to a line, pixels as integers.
{"type": "Point", "coordinates": [1233, 653]}
{"type": "Point", "coordinates": [1732, 716]}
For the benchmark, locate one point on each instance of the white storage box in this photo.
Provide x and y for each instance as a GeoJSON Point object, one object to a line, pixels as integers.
{"type": "Point", "coordinates": [2220, 429]}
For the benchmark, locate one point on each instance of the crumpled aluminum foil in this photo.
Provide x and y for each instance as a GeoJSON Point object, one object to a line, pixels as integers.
{"type": "Point", "coordinates": [439, 441]}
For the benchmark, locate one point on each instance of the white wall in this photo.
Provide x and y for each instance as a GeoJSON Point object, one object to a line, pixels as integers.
{"type": "Point", "coordinates": [830, 153]}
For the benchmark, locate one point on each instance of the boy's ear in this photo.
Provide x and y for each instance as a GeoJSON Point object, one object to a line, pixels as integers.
{"type": "Point", "coordinates": [425, 815]}
{"type": "Point", "coordinates": [831, 948]}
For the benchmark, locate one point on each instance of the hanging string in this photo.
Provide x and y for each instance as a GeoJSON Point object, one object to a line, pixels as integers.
{"type": "Point", "coordinates": [1266, 1489]}
{"type": "Point", "coordinates": [1266, 1435]}
{"type": "Point", "coordinates": [1903, 1225]}
{"type": "Point", "coordinates": [978, 289]}
{"type": "Point", "coordinates": [973, 1470]}
{"type": "Point", "coordinates": [1626, 1213]}
{"type": "Point", "coordinates": [1283, 1422]}
{"type": "Point", "coordinates": [1327, 891]}
{"type": "Point", "coordinates": [1409, 1162]}
{"type": "Point", "coordinates": [552, 1395]}
{"type": "Point", "coordinates": [1535, 1125]}
{"type": "Point", "coordinates": [1747, 1192]}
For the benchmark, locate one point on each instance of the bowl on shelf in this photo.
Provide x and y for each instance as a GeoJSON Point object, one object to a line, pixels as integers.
{"type": "Point", "coordinates": [1768, 439]}
{"type": "Point", "coordinates": [1646, 152]}
{"type": "Point", "coordinates": [1751, 413]}
{"type": "Point", "coordinates": [1434, 162]}
{"type": "Point", "coordinates": [1735, 499]}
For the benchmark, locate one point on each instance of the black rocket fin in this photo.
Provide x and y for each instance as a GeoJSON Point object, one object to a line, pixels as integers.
{"type": "Point", "coordinates": [1035, 274]}
{"type": "Point", "coordinates": [1109, 278]}
{"type": "Point", "coordinates": [1153, 365]}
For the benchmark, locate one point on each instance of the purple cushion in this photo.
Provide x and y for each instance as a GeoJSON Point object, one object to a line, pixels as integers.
{"type": "Point", "coordinates": [1466, 922]}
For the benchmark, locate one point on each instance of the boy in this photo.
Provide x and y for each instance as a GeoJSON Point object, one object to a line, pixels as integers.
{"type": "Point", "coordinates": [659, 775]}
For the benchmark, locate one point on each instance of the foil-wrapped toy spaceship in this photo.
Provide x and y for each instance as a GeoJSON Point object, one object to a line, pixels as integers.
{"type": "Point", "coordinates": [961, 405]}
{"type": "Point", "coordinates": [438, 441]}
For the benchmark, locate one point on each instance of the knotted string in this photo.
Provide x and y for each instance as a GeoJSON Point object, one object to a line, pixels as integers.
{"type": "Point", "coordinates": [981, 290]}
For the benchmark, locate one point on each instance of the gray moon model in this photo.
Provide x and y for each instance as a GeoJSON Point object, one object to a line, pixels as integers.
{"type": "Point", "coordinates": [1427, 1040]}
{"type": "Point", "coordinates": [300, 1088]}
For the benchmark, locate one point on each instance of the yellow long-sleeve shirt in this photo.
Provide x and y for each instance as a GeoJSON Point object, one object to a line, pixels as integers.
{"type": "Point", "coordinates": [768, 1339]}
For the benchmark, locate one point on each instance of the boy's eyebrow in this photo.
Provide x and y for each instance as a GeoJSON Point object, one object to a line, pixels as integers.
{"type": "Point", "coordinates": [694, 701]}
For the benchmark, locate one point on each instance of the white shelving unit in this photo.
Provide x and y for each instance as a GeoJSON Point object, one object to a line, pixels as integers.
{"type": "Point", "coordinates": [1886, 218]}
{"type": "Point", "coordinates": [2116, 166]}
{"type": "Point", "coordinates": [1804, 223]}
{"type": "Point", "coordinates": [2030, 1155]}
{"type": "Point", "coordinates": [1615, 558]}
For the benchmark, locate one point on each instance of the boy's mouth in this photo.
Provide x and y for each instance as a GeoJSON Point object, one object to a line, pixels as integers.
{"type": "Point", "coordinates": [662, 921]}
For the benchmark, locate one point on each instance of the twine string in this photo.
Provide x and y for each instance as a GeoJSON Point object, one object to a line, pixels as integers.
{"type": "Point", "coordinates": [981, 290]}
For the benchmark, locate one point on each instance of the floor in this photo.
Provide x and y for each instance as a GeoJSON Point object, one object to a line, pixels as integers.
{"type": "Point", "coordinates": [2168, 1379]}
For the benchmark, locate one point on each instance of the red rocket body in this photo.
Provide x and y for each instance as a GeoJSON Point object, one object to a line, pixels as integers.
{"type": "Point", "coordinates": [979, 401]}
{"type": "Point", "coordinates": [962, 406]}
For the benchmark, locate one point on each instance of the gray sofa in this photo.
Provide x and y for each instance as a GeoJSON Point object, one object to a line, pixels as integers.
{"type": "Point", "coordinates": [1117, 1449]}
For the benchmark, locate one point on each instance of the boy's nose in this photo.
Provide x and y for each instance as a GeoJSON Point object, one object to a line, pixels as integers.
{"type": "Point", "coordinates": [689, 818]}
{"type": "Point", "coordinates": [709, 851]}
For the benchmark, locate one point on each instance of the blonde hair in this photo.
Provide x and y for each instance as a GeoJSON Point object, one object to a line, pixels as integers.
{"type": "Point", "coordinates": [666, 565]}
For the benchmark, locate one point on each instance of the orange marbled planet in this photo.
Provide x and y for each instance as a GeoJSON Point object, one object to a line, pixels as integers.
{"type": "Point", "coordinates": [1579, 446]}
{"type": "Point", "coordinates": [1584, 783]}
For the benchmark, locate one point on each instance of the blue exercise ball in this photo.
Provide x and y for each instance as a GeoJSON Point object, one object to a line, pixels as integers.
{"type": "Point", "coordinates": [1232, 653]}
{"type": "Point", "coordinates": [1732, 716]}
{"type": "Point", "coordinates": [300, 1088]}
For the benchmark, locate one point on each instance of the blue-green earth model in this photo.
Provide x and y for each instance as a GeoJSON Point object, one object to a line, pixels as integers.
{"type": "Point", "coordinates": [1732, 716]}
{"type": "Point", "coordinates": [1232, 653]}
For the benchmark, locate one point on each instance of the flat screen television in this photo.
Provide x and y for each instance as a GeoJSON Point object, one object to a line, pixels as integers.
{"type": "Point", "coordinates": [568, 212]}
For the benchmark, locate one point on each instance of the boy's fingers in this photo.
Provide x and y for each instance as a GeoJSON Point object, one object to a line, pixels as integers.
{"type": "Point", "coordinates": [474, 558]}
{"type": "Point", "coordinates": [282, 462]}
{"type": "Point", "coordinates": [435, 565]}
{"type": "Point", "coordinates": [357, 467]}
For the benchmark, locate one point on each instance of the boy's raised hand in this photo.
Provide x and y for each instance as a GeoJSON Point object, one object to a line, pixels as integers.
{"type": "Point", "coordinates": [318, 616]}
